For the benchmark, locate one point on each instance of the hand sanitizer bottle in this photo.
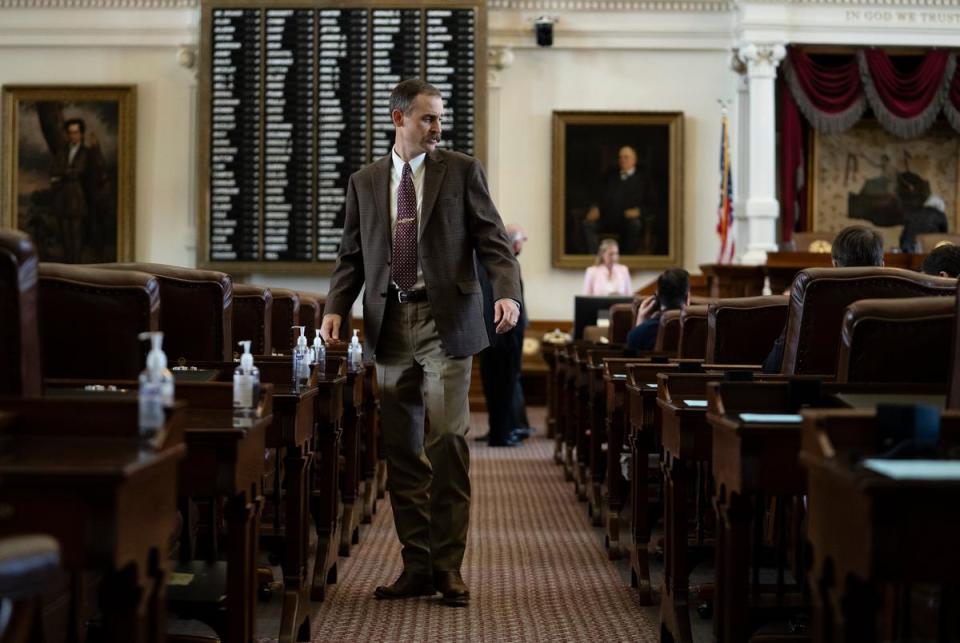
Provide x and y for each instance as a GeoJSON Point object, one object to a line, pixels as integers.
{"type": "Point", "coordinates": [246, 389]}
{"type": "Point", "coordinates": [301, 359]}
{"type": "Point", "coordinates": [319, 352]}
{"type": "Point", "coordinates": [156, 388]}
{"type": "Point", "coordinates": [355, 351]}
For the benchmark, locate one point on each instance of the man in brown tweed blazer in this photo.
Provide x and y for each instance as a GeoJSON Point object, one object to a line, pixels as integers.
{"type": "Point", "coordinates": [414, 221]}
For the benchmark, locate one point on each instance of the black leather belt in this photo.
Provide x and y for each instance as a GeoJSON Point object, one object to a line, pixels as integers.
{"type": "Point", "coordinates": [408, 296]}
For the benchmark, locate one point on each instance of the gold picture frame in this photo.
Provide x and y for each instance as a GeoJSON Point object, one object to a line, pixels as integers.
{"type": "Point", "coordinates": [590, 192]}
{"type": "Point", "coordinates": [76, 201]}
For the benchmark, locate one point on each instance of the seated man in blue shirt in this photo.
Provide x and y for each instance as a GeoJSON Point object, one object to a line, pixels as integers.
{"type": "Point", "coordinates": [673, 293]}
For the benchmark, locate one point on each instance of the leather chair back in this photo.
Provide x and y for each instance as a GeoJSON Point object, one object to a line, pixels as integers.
{"type": "Point", "coordinates": [311, 310]}
{"type": "Point", "coordinates": [286, 313]}
{"type": "Point", "coordinates": [820, 296]}
{"type": "Point", "coordinates": [693, 332]}
{"type": "Point", "coordinates": [253, 318]}
{"type": "Point", "coordinates": [19, 342]}
{"type": "Point", "coordinates": [741, 330]}
{"type": "Point", "coordinates": [668, 333]}
{"type": "Point", "coordinates": [90, 319]}
{"type": "Point", "coordinates": [622, 320]}
{"type": "Point", "coordinates": [196, 315]}
{"type": "Point", "coordinates": [897, 340]}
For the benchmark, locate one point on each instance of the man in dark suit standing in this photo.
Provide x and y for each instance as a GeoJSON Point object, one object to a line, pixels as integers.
{"type": "Point", "coordinates": [415, 220]}
{"type": "Point", "coordinates": [500, 365]}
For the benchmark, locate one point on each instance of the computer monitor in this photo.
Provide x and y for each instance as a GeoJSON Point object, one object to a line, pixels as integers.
{"type": "Point", "coordinates": [586, 309]}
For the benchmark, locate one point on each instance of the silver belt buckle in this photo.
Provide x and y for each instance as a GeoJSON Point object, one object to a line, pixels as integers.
{"type": "Point", "coordinates": [401, 296]}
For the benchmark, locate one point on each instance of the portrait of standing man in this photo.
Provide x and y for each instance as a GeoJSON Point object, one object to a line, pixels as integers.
{"type": "Point", "coordinates": [415, 220]}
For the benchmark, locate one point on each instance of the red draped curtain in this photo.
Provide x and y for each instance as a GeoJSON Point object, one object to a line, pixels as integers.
{"type": "Point", "coordinates": [832, 93]}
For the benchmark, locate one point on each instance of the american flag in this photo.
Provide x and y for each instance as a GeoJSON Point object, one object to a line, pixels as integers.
{"type": "Point", "coordinates": [725, 221]}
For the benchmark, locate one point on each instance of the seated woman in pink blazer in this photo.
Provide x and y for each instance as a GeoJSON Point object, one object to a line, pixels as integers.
{"type": "Point", "coordinates": [607, 277]}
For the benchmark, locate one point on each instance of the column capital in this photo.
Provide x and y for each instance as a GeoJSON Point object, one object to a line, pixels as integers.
{"type": "Point", "coordinates": [761, 59]}
{"type": "Point", "coordinates": [500, 58]}
{"type": "Point", "coordinates": [187, 58]}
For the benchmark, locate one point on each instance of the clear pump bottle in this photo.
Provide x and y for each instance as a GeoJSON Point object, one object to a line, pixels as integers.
{"type": "Point", "coordinates": [301, 359]}
{"type": "Point", "coordinates": [355, 350]}
{"type": "Point", "coordinates": [246, 389]}
{"type": "Point", "coordinates": [319, 350]}
{"type": "Point", "coordinates": [156, 388]}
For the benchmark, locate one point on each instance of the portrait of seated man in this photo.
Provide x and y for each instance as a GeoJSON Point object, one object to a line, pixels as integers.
{"type": "Point", "coordinates": [623, 207]}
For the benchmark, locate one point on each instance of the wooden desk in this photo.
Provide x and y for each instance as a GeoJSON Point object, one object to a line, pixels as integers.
{"type": "Point", "coordinates": [354, 426]}
{"type": "Point", "coordinates": [549, 353]}
{"type": "Point", "coordinates": [617, 428]}
{"type": "Point", "coordinates": [564, 429]}
{"type": "Point", "coordinates": [111, 505]}
{"type": "Point", "coordinates": [224, 462]}
{"type": "Point", "coordinates": [596, 428]}
{"type": "Point", "coordinates": [325, 503]}
{"type": "Point", "coordinates": [644, 443]}
{"type": "Point", "coordinates": [687, 444]}
{"type": "Point", "coordinates": [866, 529]}
{"type": "Point", "coordinates": [374, 464]}
{"type": "Point", "coordinates": [754, 462]}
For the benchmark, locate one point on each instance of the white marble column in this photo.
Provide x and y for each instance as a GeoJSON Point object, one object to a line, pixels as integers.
{"type": "Point", "coordinates": [741, 176]}
{"type": "Point", "coordinates": [761, 207]}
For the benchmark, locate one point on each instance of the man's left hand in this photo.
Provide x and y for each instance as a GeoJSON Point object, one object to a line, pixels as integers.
{"type": "Point", "coordinates": [506, 313]}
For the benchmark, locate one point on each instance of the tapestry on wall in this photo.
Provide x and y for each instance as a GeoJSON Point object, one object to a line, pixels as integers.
{"type": "Point", "coordinates": [866, 175]}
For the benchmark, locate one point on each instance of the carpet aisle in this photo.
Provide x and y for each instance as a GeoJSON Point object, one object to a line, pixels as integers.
{"type": "Point", "coordinates": [536, 569]}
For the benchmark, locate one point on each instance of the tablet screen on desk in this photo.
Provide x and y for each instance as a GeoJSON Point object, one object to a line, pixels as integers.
{"type": "Point", "coordinates": [778, 418]}
{"type": "Point", "coordinates": [696, 404]}
{"type": "Point", "coordinates": [915, 469]}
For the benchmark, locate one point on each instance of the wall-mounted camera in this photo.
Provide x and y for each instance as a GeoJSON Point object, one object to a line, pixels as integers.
{"type": "Point", "coordinates": [543, 28]}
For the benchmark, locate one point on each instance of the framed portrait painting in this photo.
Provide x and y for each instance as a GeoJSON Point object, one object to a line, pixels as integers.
{"type": "Point", "coordinates": [68, 170]}
{"type": "Point", "coordinates": [867, 176]}
{"type": "Point", "coordinates": [618, 175]}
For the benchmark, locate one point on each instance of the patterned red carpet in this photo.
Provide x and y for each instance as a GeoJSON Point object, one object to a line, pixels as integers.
{"type": "Point", "coordinates": [536, 569]}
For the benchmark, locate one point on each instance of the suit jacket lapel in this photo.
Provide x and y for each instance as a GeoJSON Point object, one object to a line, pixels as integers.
{"type": "Point", "coordinates": [434, 170]}
{"type": "Point", "coordinates": [381, 198]}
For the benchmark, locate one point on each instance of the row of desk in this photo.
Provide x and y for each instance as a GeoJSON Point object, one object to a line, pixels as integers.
{"type": "Point", "coordinates": [73, 466]}
{"type": "Point", "coordinates": [791, 518]}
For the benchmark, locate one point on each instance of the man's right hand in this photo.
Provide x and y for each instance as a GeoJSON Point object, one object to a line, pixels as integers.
{"type": "Point", "coordinates": [593, 214]}
{"type": "Point", "coordinates": [648, 309]}
{"type": "Point", "coordinates": [330, 328]}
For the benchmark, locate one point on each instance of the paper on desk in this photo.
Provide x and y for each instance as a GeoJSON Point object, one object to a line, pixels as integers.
{"type": "Point", "coordinates": [915, 469]}
{"type": "Point", "coordinates": [650, 385]}
{"type": "Point", "coordinates": [778, 418]}
{"type": "Point", "coordinates": [697, 404]}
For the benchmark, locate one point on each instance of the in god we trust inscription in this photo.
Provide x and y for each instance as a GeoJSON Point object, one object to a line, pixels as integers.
{"type": "Point", "coordinates": [294, 98]}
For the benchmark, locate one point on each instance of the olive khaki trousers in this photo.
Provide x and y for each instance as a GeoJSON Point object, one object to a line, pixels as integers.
{"type": "Point", "coordinates": [427, 475]}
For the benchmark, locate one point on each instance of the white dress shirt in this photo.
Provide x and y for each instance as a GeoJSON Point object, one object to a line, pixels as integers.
{"type": "Point", "coordinates": [417, 168]}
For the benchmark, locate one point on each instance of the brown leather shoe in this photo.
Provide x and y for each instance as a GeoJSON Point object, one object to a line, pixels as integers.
{"type": "Point", "coordinates": [454, 590]}
{"type": "Point", "coordinates": [408, 585]}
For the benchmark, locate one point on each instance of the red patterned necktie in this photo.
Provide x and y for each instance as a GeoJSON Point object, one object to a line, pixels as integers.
{"type": "Point", "coordinates": [405, 233]}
